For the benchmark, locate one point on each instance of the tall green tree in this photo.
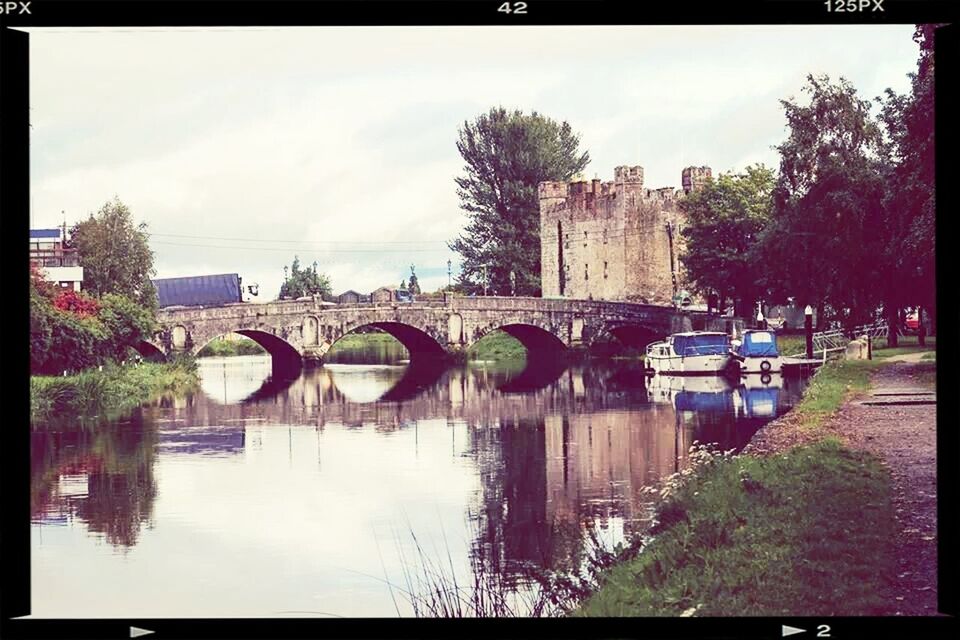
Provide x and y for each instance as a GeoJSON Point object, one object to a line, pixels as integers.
{"type": "Point", "coordinates": [115, 254]}
{"type": "Point", "coordinates": [824, 246]}
{"type": "Point", "coordinates": [414, 284]}
{"type": "Point", "coordinates": [507, 154]}
{"type": "Point", "coordinates": [724, 221]}
{"type": "Point", "coordinates": [911, 197]}
{"type": "Point", "coordinates": [305, 282]}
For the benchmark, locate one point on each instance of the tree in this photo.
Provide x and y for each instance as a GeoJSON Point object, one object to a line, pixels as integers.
{"type": "Point", "coordinates": [825, 237]}
{"type": "Point", "coordinates": [115, 254]}
{"type": "Point", "coordinates": [910, 203]}
{"type": "Point", "coordinates": [414, 285]}
{"type": "Point", "coordinates": [305, 282]}
{"type": "Point", "coordinates": [507, 155]}
{"type": "Point", "coordinates": [724, 221]}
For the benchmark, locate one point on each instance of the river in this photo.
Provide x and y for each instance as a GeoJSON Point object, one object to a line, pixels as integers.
{"type": "Point", "coordinates": [330, 495]}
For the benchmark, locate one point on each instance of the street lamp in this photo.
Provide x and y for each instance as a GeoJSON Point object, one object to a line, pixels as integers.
{"type": "Point", "coordinates": [449, 267]}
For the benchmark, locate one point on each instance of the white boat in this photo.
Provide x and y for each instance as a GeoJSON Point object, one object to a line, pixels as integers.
{"type": "Point", "coordinates": [666, 388]}
{"type": "Point", "coordinates": [757, 352]}
{"type": "Point", "coordinates": [703, 352]}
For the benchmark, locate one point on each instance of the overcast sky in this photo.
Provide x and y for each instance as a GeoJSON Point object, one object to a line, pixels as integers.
{"type": "Point", "coordinates": [242, 147]}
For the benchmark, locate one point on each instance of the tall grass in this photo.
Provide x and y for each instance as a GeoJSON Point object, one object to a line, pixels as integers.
{"type": "Point", "coordinates": [95, 394]}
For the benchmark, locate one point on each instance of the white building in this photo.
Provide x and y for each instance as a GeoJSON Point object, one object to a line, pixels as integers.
{"type": "Point", "coordinates": [59, 263]}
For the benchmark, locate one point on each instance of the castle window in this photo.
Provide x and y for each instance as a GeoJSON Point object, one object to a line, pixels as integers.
{"type": "Point", "coordinates": [604, 269]}
{"type": "Point", "coordinates": [586, 275]}
{"type": "Point", "coordinates": [604, 236]}
{"type": "Point", "coordinates": [584, 238]}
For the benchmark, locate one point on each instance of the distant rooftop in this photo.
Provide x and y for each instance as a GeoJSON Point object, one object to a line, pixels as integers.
{"type": "Point", "coordinates": [44, 233]}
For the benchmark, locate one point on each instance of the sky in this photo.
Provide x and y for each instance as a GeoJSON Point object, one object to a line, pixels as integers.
{"type": "Point", "coordinates": [241, 148]}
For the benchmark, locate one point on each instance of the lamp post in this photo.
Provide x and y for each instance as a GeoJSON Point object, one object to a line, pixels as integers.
{"type": "Point", "coordinates": [449, 267]}
{"type": "Point", "coordinates": [808, 329]}
{"type": "Point", "coordinates": [760, 321]}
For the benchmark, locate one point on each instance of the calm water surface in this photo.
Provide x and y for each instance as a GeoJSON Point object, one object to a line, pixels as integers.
{"type": "Point", "coordinates": [302, 498]}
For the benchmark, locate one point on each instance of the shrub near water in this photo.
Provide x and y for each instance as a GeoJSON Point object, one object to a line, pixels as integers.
{"type": "Point", "coordinates": [804, 533]}
{"type": "Point", "coordinates": [94, 395]}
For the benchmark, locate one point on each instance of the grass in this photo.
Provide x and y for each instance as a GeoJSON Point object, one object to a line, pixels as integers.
{"type": "Point", "coordinates": [94, 395]}
{"type": "Point", "coordinates": [791, 345]}
{"type": "Point", "coordinates": [497, 345]}
{"type": "Point", "coordinates": [228, 348]}
{"type": "Point", "coordinates": [833, 383]}
{"type": "Point", "coordinates": [803, 533]}
{"type": "Point", "coordinates": [364, 340]}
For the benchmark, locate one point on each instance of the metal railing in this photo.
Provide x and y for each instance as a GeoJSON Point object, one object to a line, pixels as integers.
{"type": "Point", "coordinates": [836, 340]}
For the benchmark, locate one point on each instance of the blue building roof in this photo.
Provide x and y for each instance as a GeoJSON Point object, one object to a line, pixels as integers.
{"type": "Point", "coordinates": [44, 233]}
{"type": "Point", "coordinates": [198, 290]}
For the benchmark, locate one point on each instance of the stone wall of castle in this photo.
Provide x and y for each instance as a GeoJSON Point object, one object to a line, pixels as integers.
{"type": "Point", "coordinates": [610, 240]}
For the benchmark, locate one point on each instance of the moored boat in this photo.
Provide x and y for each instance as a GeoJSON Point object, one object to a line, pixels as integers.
{"type": "Point", "coordinates": [757, 352]}
{"type": "Point", "coordinates": [693, 352]}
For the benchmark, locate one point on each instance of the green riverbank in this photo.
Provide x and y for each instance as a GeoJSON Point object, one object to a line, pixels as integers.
{"type": "Point", "coordinates": [227, 348]}
{"type": "Point", "coordinates": [94, 395]}
{"type": "Point", "coordinates": [809, 529]}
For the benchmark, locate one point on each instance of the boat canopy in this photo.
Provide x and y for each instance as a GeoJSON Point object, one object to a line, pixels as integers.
{"type": "Point", "coordinates": [758, 344]}
{"type": "Point", "coordinates": [707, 344]}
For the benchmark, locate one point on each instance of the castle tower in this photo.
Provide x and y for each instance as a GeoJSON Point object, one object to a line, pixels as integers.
{"type": "Point", "coordinates": [694, 178]}
{"type": "Point", "coordinates": [628, 178]}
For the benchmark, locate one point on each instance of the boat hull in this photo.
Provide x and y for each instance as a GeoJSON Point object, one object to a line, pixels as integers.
{"type": "Point", "coordinates": [688, 365]}
{"type": "Point", "coordinates": [761, 364]}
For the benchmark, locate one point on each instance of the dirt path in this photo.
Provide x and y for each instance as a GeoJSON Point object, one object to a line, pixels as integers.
{"type": "Point", "coordinates": [904, 438]}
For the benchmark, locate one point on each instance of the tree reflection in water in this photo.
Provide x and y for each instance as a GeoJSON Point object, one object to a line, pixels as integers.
{"type": "Point", "coordinates": [102, 476]}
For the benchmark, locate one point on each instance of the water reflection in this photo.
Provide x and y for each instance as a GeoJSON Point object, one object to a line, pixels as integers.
{"type": "Point", "coordinates": [301, 494]}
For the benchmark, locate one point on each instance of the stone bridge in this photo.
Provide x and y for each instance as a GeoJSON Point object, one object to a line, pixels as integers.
{"type": "Point", "coordinates": [301, 332]}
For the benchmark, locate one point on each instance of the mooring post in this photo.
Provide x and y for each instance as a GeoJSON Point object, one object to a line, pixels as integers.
{"type": "Point", "coordinates": [869, 347]}
{"type": "Point", "coordinates": [808, 328]}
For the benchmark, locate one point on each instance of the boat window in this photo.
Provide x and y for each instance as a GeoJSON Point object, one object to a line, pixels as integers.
{"type": "Point", "coordinates": [701, 345]}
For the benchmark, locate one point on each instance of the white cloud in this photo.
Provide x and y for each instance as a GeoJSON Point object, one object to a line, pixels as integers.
{"type": "Point", "coordinates": [347, 135]}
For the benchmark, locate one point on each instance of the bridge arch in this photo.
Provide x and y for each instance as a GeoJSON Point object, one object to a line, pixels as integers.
{"type": "Point", "coordinates": [286, 359]}
{"type": "Point", "coordinates": [150, 351]}
{"type": "Point", "coordinates": [417, 341]}
{"type": "Point", "coordinates": [636, 336]}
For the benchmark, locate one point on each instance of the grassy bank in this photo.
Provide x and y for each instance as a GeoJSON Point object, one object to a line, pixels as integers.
{"type": "Point", "coordinates": [497, 345]}
{"type": "Point", "coordinates": [94, 395]}
{"type": "Point", "coordinates": [365, 341]}
{"type": "Point", "coordinates": [228, 348]}
{"type": "Point", "coordinates": [804, 533]}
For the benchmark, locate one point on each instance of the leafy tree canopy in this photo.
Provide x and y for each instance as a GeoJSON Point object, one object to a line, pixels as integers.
{"type": "Point", "coordinates": [507, 154]}
{"type": "Point", "coordinates": [305, 282]}
{"type": "Point", "coordinates": [822, 246]}
{"type": "Point", "coordinates": [115, 254]}
{"type": "Point", "coordinates": [724, 221]}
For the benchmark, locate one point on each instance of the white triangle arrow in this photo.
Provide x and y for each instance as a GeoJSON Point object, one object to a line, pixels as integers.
{"type": "Point", "coordinates": [789, 631]}
{"type": "Point", "coordinates": [136, 632]}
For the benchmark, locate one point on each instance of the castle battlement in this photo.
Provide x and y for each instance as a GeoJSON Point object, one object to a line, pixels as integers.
{"type": "Point", "coordinates": [587, 194]}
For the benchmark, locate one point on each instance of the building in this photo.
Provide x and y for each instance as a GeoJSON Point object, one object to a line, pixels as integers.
{"type": "Point", "coordinates": [351, 297]}
{"type": "Point", "coordinates": [51, 253]}
{"type": "Point", "coordinates": [614, 240]}
{"type": "Point", "coordinates": [383, 294]}
{"type": "Point", "coordinates": [198, 290]}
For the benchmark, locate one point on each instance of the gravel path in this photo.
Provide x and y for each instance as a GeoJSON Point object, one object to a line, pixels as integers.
{"type": "Point", "coordinates": [903, 437]}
